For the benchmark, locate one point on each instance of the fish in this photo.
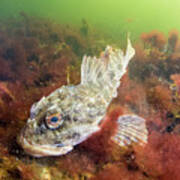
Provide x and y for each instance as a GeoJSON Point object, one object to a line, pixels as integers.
{"type": "Point", "coordinates": [72, 113]}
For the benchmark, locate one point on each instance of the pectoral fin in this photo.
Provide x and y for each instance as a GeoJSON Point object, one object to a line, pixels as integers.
{"type": "Point", "coordinates": [131, 129]}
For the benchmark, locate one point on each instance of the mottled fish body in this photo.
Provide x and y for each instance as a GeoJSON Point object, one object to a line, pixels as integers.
{"type": "Point", "coordinates": [70, 114]}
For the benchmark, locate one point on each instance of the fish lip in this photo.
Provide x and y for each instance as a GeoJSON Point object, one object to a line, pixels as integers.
{"type": "Point", "coordinates": [42, 150]}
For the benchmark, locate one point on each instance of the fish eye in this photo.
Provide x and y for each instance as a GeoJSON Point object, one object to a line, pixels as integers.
{"type": "Point", "coordinates": [53, 121]}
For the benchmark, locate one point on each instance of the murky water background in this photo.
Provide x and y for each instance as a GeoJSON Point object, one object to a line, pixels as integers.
{"type": "Point", "coordinates": [41, 47]}
{"type": "Point", "coordinates": [115, 16]}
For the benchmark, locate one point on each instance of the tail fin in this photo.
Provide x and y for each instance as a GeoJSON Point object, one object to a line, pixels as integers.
{"type": "Point", "coordinates": [106, 71]}
{"type": "Point", "coordinates": [131, 128]}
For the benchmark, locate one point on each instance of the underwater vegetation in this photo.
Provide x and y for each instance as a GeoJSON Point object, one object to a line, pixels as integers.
{"type": "Point", "coordinates": [37, 56]}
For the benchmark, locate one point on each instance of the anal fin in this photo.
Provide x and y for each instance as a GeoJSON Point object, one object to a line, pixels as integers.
{"type": "Point", "coordinates": [131, 129]}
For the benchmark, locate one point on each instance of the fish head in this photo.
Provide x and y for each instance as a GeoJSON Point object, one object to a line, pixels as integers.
{"type": "Point", "coordinates": [46, 132]}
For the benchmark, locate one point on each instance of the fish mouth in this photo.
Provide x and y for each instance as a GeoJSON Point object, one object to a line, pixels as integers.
{"type": "Point", "coordinates": [37, 150]}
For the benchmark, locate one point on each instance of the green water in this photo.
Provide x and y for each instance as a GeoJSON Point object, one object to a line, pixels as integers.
{"type": "Point", "coordinates": [114, 16]}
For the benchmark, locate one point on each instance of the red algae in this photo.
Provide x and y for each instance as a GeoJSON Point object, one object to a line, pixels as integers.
{"type": "Point", "coordinates": [77, 163]}
{"type": "Point", "coordinates": [37, 56]}
{"type": "Point", "coordinates": [118, 172]}
{"type": "Point", "coordinates": [158, 157]}
{"type": "Point", "coordinates": [155, 39]}
{"type": "Point", "coordinates": [99, 145]}
{"type": "Point", "coordinates": [160, 97]}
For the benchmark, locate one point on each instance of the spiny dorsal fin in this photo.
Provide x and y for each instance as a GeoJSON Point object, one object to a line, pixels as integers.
{"type": "Point", "coordinates": [131, 128]}
{"type": "Point", "coordinates": [107, 70]}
